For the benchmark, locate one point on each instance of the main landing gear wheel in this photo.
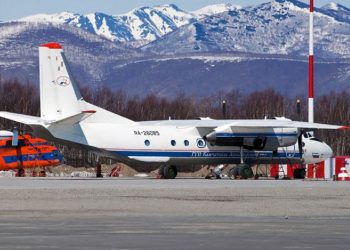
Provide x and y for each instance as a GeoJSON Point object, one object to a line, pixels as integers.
{"type": "Point", "coordinates": [245, 171]}
{"type": "Point", "coordinates": [168, 172]}
{"type": "Point", "coordinates": [233, 173]}
{"type": "Point", "coordinates": [242, 170]}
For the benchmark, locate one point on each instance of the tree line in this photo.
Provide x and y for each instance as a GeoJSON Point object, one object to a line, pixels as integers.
{"type": "Point", "coordinates": [332, 108]}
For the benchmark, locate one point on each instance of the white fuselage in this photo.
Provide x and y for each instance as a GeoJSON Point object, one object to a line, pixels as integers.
{"type": "Point", "coordinates": [151, 143]}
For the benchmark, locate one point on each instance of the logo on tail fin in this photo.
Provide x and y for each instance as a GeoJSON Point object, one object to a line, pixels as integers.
{"type": "Point", "coordinates": [63, 81]}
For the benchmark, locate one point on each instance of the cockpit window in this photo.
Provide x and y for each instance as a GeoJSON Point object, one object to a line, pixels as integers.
{"type": "Point", "coordinates": [315, 155]}
{"type": "Point", "coordinates": [308, 135]}
{"type": "Point", "coordinates": [315, 139]}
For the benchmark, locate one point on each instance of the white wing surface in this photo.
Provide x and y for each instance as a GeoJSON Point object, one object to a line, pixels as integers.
{"type": "Point", "coordinates": [306, 126]}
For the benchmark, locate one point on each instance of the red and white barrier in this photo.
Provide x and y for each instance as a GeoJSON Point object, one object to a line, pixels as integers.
{"type": "Point", "coordinates": [343, 175]}
{"type": "Point", "coordinates": [324, 170]}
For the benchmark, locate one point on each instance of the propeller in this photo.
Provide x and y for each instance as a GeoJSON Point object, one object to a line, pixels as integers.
{"type": "Point", "coordinates": [300, 143]}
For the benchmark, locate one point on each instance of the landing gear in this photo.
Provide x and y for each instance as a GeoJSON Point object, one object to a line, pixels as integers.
{"type": "Point", "coordinates": [245, 171]}
{"type": "Point", "coordinates": [168, 172]}
{"type": "Point", "coordinates": [233, 173]}
{"type": "Point", "coordinates": [241, 171]}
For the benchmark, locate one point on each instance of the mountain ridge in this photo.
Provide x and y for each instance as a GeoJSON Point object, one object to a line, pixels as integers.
{"type": "Point", "coordinates": [146, 26]}
{"type": "Point", "coordinates": [246, 49]}
{"type": "Point", "coordinates": [276, 27]}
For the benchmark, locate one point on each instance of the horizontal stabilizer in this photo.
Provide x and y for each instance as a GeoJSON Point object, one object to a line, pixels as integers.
{"type": "Point", "coordinates": [76, 118]}
{"type": "Point", "coordinates": [25, 119]}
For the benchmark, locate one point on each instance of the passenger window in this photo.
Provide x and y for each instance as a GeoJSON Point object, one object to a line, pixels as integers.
{"type": "Point", "coordinates": [147, 143]}
{"type": "Point", "coordinates": [173, 142]}
{"type": "Point", "coordinates": [186, 143]}
{"type": "Point", "coordinates": [200, 143]}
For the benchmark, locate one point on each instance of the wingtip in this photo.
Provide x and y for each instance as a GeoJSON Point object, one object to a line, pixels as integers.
{"type": "Point", "coordinates": [89, 111]}
{"type": "Point", "coordinates": [344, 128]}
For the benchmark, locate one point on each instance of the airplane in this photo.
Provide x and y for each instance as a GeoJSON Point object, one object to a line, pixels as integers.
{"type": "Point", "coordinates": [66, 117]}
{"type": "Point", "coordinates": [24, 151]}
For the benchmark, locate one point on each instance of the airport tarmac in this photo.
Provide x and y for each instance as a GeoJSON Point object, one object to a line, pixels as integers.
{"type": "Point", "coordinates": [123, 213]}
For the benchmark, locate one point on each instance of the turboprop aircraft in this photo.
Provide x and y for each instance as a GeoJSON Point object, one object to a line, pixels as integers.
{"type": "Point", "coordinates": [67, 117]}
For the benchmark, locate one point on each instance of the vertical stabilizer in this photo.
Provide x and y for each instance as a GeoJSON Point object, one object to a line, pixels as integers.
{"type": "Point", "coordinates": [59, 94]}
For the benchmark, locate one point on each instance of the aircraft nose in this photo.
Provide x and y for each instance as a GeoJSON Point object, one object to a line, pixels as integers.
{"type": "Point", "coordinates": [327, 151]}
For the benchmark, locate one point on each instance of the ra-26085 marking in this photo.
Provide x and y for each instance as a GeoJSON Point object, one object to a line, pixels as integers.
{"type": "Point", "coordinates": [150, 133]}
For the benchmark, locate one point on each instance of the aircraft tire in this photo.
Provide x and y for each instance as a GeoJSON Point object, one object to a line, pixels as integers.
{"type": "Point", "coordinates": [245, 171]}
{"type": "Point", "coordinates": [161, 172]}
{"type": "Point", "coordinates": [170, 172]}
{"type": "Point", "coordinates": [233, 173]}
{"type": "Point", "coordinates": [230, 173]}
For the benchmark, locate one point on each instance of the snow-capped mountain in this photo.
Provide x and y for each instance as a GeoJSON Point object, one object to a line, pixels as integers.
{"type": "Point", "coordinates": [143, 24]}
{"type": "Point", "coordinates": [218, 48]}
{"type": "Point", "coordinates": [276, 27]}
{"type": "Point", "coordinates": [146, 23]}
{"type": "Point", "coordinates": [214, 9]}
{"type": "Point", "coordinates": [337, 11]}
{"type": "Point", "coordinates": [89, 54]}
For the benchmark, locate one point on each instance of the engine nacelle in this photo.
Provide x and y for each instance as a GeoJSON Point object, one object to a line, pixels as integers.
{"type": "Point", "coordinates": [258, 138]}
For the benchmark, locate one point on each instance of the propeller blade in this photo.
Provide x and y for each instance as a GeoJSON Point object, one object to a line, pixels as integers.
{"type": "Point", "coordinates": [300, 144]}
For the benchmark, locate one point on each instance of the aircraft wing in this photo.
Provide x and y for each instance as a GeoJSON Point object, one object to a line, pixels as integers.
{"type": "Point", "coordinates": [306, 126]}
{"type": "Point", "coordinates": [25, 119]}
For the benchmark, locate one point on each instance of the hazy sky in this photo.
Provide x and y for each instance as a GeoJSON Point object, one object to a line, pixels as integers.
{"type": "Point", "coordinates": [13, 9]}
